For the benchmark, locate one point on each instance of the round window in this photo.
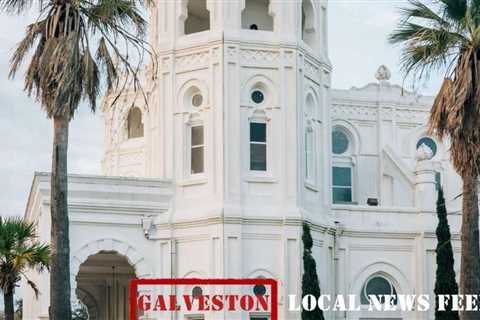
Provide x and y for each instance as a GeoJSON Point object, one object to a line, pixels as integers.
{"type": "Point", "coordinates": [257, 96]}
{"type": "Point", "coordinates": [197, 100]}
{"type": "Point", "coordinates": [197, 292]}
{"type": "Point", "coordinates": [340, 142]}
{"type": "Point", "coordinates": [429, 143]}
{"type": "Point", "coordinates": [259, 290]}
{"type": "Point", "coordinates": [378, 286]}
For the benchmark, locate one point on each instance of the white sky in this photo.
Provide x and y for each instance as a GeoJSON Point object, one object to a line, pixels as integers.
{"type": "Point", "coordinates": [358, 31]}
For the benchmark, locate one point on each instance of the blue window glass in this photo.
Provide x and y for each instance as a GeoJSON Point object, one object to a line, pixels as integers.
{"type": "Point", "coordinates": [257, 96]}
{"type": "Point", "coordinates": [380, 287]}
{"type": "Point", "coordinates": [258, 146]}
{"type": "Point", "coordinates": [342, 184]}
{"type": "Point", "coordinates": [340, 142]}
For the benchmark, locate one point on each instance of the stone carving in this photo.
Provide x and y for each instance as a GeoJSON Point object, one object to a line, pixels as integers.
{"type": "Point", "coordinates": [265, 56]}
{"type": "Point", "coordinates": [383, 74]}
{"type": "Point", "coordinates": [424, 153]}
{"type": "Point", "coordinates": [312, 71]}
{"type": "Point", "coordinates": [193, 61]}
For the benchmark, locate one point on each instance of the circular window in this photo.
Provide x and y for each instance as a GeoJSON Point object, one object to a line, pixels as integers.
{"type": "Point", "coordinates": [259, 290]}
{"type": "Point", "coordinates": [257, 96]}
{"type": "Point", "coordinates": [197, 292]}
{"type": "Point", "coordinates": [378, 286]}
{"type": "Point", "coordinates": [429, 143]}
{"type": "Point", "coordinates": [197, 100]}
{"type": "Point", "coordinates": [340, 142]}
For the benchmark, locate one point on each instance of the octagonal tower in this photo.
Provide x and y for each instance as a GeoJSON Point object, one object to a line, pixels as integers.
{"type": "Point", "coordinates": [238, 116]}
{"type": "Point", "coordinates": [238, 120]}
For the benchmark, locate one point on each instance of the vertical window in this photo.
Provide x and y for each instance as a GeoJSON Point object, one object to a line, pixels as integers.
{"type": "Point", "coordinates": [198, 17]}
{"type": "Point", "coordinates": [134, 123]}
{"type": "Point", "coordinates": [342, 184]}
{"type": "Point", "coordinates": [258, 146]}
{"type": "Point", "coordinates": [308, 23]}
{"type": "Point", "coordinates": [256, 15]}
{"type": "Point", "coordinates": [197, 151]}
{"type": "Point", "coordinates": [309, 155]}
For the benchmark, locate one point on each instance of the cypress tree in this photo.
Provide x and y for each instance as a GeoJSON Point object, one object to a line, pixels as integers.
{"type": "Point", "coordinates": [445, 282]}
{"type": "Point", "coordinates": [310, 283]}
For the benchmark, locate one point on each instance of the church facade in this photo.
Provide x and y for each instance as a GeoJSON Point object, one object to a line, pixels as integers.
{"type": "Point", "coordinates": [241, 142]}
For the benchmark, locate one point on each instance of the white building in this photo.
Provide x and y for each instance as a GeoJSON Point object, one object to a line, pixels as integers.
{"type": "Point", "coordinates": [234, 151]}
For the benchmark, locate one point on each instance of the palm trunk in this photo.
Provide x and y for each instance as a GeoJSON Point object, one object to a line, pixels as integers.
{"type": "Point", "coordinates": [60, 305]}
{"type": "Point", "coordinates": [8, 303]}
{"type": "Point", "coordinates": [470, 262]}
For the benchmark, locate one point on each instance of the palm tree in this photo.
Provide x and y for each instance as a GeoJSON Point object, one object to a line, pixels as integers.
{"type": "Point", "coordinates": [19, 251]}
{"type": "Point", "coordinates": [445, 36]}
{"type": "Point", "coordinates": [76, 46]}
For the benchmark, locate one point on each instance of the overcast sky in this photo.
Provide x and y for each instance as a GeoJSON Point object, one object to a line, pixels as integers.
{"type": "Point", "coordinates": [358, 45]}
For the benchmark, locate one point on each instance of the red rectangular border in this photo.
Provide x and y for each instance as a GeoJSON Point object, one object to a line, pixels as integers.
{"type": "Point", "coordinates": [193, 281]}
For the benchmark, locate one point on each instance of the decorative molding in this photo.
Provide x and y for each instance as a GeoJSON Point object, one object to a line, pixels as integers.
{"type": "Point", "coordinates": [261, 236]}
{"type": "Point", "coordinates": [256, 56]}
{"type": "Point", "coordinates": [349, 112]}
{"type": "Point", "coordinates": [381, 247]}
{"type": "Point", "coordinates": [194, 61]}
{"type": "Point", "coordinates": [311, 71]}
{"type": "Point", "coordinates": [193, 238]}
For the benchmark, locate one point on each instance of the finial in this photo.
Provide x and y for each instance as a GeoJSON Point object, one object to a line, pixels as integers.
{"type": "Point", "coordinates": [424, 152]}
{"type": "Point", "coordinates": [383, 74]}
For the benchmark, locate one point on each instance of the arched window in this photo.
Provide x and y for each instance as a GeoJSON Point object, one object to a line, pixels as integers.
{"type": "Point", "coordinates": [198, 17]}
{"type": "Point", "coordinates": [134, 123]}
{"type": "Point", "coordinates": [256, 15]}
{"type": "Point", "coordinates": [342, 170]}
{"type": "Point", "coordinates": [308, 23]}
{"type": "Point", "coordinates": [378, 286]}
{"type": "Point", "coordinates": [310, 141]}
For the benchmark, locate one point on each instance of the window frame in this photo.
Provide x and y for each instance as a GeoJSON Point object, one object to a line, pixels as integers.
{"type": "Point", "coordinates": [364, 293]}
{"type": "Point", "coordinates": [185, 15]}
{"type": "Point", "coordinates": [244, 26]}
{"type": "Point", "coordinates": [347, 159]}
{"type": "Point", "coordinates": [310, 172]}
{"type": "Point", "coordinates": [251, 142]}
{"type": "Point", "coordinates": [351, 187]}
{"type": "Point", "coordinates": [128, 126]}
{"type": "Point", "coordinates": [190, 147]}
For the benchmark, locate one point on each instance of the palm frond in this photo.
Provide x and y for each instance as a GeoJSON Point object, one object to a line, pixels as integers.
{"type": "Point", "coordinates": [20, 251]}
{"type": "Point", "coordinates": [455, 10]}
{"type": "Point", "coordinates": [425, 48]}
{"type": "Point", "coordinates": [418, 9]}
{"type": "Point", "coordinates": [18, 6]}
{"type": "Point", "coordinates": [73, 42]}
{"type": "Point", "coordinates": [439, 112]}
{"type": "Point", "coordinates": [34, 33]}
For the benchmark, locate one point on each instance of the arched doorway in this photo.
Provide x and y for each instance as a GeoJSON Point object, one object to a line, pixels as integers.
{"type": "Point", "coordinates": [103, 285]}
